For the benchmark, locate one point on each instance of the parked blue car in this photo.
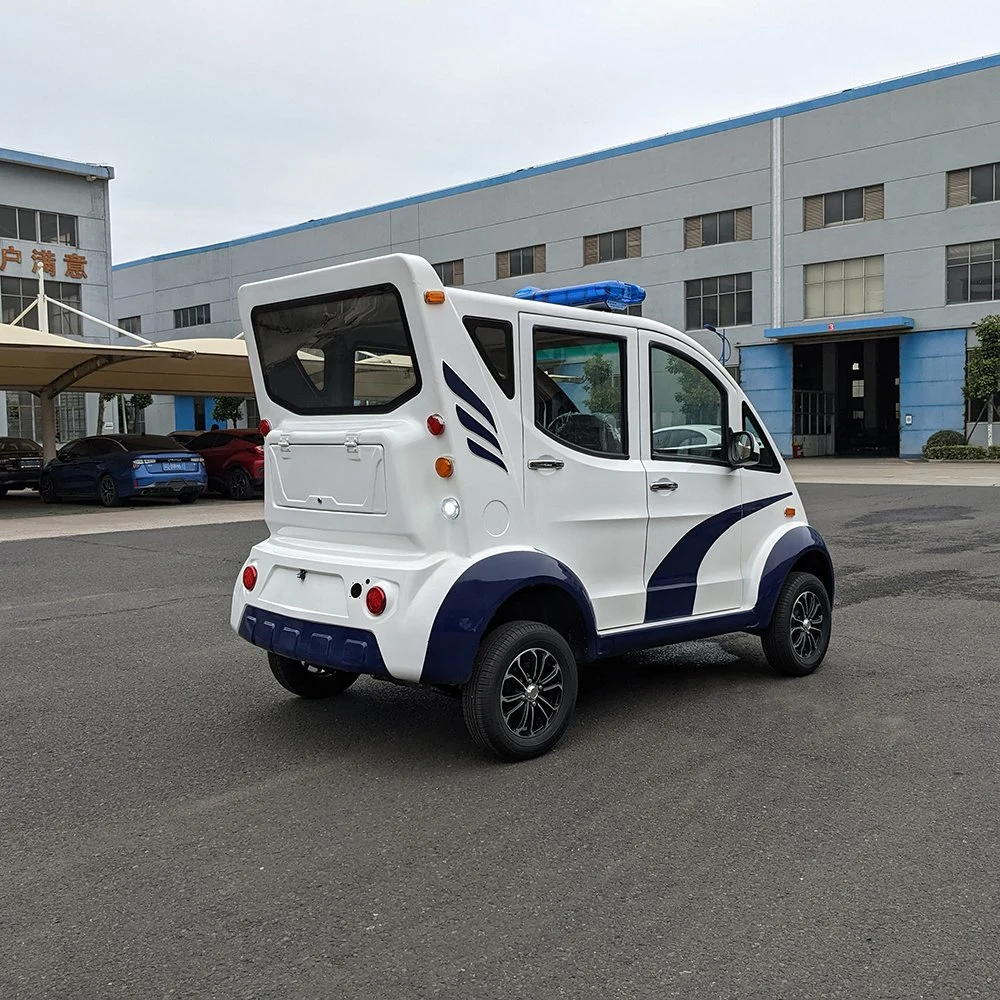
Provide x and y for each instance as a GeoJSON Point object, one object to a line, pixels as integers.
{"type": "Point", "coordinates": [116, 467]}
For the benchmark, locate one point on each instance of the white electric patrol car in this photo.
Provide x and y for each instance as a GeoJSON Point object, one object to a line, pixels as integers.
{"type": "Point", "coordinates": [477, 493]}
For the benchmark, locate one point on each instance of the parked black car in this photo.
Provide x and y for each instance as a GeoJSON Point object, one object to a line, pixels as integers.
{"type": "Point", "coordinates": [20, 464]}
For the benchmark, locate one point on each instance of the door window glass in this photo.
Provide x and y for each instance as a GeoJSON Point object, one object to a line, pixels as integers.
{"type": "Point", "coordinates": [687, 409]}
{"type": "Point", "coordinates": [580, 390]}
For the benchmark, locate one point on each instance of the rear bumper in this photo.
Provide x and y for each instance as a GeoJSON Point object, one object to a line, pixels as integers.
{"type": "Point", "coordinates": [335, 646]}
{"type": "Point", "coordinates": [167, 485]}
{"type": "Point", "coordinates": [20, 480]}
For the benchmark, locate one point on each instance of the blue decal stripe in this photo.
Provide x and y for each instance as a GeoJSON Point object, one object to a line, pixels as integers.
{"type": "Point", "coordinates": [461, 390]}
{"type": "Point", "coordinates": [671, 590]}
{"type": "Point", "coordinates": [480, 452]}
{"type": "Point", "coordinates": [469, 422]}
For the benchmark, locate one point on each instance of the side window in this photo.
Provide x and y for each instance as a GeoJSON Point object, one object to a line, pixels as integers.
{"type": "Point", "coordinates": [494, 340]}
{"type": "Point", "coordinates": [687, 409]}
{"type": "Point", "coordinates": [580, 388]}
{"type": "Point", "coordinates": [768, 462]}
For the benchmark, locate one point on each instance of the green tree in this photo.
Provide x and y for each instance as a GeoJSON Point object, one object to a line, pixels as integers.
{"type": "Point", "coordinates": [982, 370]}
{"type": "Point", "coordinates": [697, 396]}
{"type": "Point", "coordinates": [603, 396]}
{"type": "Point", "coordinates": [228, 408]}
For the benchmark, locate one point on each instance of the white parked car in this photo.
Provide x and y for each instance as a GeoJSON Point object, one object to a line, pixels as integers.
{"type": "Point", "coordinates": [468, 491]}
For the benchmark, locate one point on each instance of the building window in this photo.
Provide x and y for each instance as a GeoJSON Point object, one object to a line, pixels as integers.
{"type": "Point", "coordinates": [16, 294]}
{"type": "Point", "coordinates": [192, 316]}
{"type": "Point", "coordinates": [451, 272]}
{"type": "Point", "coordinates": [524, 260]}
{"type": "Point", "coordinates": [37, 227]}
{"type": "Point", "coordinates": [723, 301]}
{"type": "Point", "coordinates": [844, 287]}
{"type": "Point", "coordinates": [617, 245]}
{"type": "Point", "coordinates": [972, 185]}
{"type": "Point", "coordinates": [974, 272]}
{"type": "Point", "coordinates": [837, 208]}
{"type": "Point", "coordinates": [731, 226]}
{"type": "Point", "coordinates": [131, 324]}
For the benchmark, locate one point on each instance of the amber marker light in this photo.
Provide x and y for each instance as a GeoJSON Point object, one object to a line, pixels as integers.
{"type": "Point", "coordinates": [789, 512]}
{"type": "Point", "coordinates": [434, 297]}
{"type": "Point", "coordinates": [444, 467]}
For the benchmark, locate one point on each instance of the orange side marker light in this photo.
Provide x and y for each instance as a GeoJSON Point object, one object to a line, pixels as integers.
{"type": "Point", "coordinates": [434, 297]}
{"type": "Point", "coordinates": [444, 467]}
{"type": "Point", "coordinates": [789, 512]}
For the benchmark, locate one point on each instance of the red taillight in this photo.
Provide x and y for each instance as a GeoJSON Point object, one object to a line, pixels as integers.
{"type": "Point", "coordinates": [265, 427]}
{"type": "Point", "coordinates": [259, 449]}
{"type": "Point", "coordinates": [375, 601]}
{"type": "Point", "coordinates": [250, 577]}
{"type": "Point", "coordinates": [435, 424]}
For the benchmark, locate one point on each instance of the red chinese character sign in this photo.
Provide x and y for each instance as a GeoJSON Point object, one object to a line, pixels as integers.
{"type": "Point", "coordinates": [46, 259]}
{"type": "Point", "coordinates": [76, 265]}
{"type": "Point", "coordinates": [9, 255]}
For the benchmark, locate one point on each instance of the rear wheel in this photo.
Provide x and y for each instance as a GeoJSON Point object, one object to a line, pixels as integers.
{"type": "Point", "coordinates": [522, 692]}
{"type": "Point", "coordinates": [47, 489]}
{"type": "Point", "coordinates": [107, 492]}
{"type": "Point", "coordinates": [798, 636]}
{"type": "Point", "coordinates": [308, 681]}
{"type": "Point", "coordinates": [238, 485]}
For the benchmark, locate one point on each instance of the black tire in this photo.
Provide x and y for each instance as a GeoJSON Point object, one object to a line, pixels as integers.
{"type": "Point", "coordinates": [238, 484]}
{"type": "Point", "coordinates": [107, 492]}
{"type": "Point", "coordinates": [308, 681]}
{"type": "Point", "coordinates": [187, 497]}
{"type": "Point", "coordinates": [3, 491]}
{"type": "Point", "coordinates": [47, 489]}
{"type": "Point", "coordinates": [790, 648]}
{"type": "Point", "coordinates": [522, 692]}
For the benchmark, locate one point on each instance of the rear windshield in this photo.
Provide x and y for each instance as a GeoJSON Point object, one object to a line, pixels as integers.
{"type": "Point", "coordinates": [18, 444]}
{"type": "Point", "coordinates": [148, 442]}
{"type": "Point", "coordinates": [337, 353]}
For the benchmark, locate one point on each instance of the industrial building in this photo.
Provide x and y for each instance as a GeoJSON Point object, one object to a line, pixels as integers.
{"type": "Point", "coordinates": [847, 245]}
{"type": "Point", "coordinates": [54, 218]}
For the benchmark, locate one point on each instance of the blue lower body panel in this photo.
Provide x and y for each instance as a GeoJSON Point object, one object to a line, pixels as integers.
{"type": "Point", "coordinates": [334, 646]}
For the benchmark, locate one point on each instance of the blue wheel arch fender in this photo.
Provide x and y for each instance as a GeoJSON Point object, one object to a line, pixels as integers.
{"type": "Point", "coordinates": [476, 596]}
{"type": "Point", "coordinates": [785, 553]}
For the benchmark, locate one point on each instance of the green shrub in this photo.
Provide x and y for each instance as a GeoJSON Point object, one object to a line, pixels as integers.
{"type": "Point", "coordinates": [963, 453]}
{"type": "Point", "coordinates": [940, 439]}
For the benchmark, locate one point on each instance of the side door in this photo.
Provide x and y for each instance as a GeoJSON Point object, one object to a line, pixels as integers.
{"type": "Point", "coordinates": [584, 484]}
{"type": "Point", "coordinates": [87, 472]}
{"type": "Point", "coordinates": [65, 469]}
{"type": "Point", "coordinates": [693, 544]}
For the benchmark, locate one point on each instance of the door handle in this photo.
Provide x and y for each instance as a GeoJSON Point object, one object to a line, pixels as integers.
{"type": "Point", "coordinates": [663, 486]}
{"type": "Point", "coordinates": [545, 463]}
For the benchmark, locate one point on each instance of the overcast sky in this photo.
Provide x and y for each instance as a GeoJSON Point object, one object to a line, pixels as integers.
{"type": "Point", "coordinates": [228, 117]}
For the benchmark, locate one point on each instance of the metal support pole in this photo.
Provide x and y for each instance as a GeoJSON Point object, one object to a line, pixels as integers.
{"type": "Point", "coordinates": [48, 401]}
{"type": "Point", "coordinates": [43, 309]}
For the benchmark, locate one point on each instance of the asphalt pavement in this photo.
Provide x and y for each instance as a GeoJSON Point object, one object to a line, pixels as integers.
{"type": "Point", "coordinates": [172, 824]}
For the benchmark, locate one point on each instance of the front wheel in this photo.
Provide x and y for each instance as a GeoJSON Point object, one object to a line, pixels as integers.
{"type": "Point", "coordinates": [308, 681]}
{"type": "Point", "coordinates": [797, 638]}
{"type": "Point", "coordinates": [522, 692]}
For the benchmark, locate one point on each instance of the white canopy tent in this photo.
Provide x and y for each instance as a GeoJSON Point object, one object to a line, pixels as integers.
{"type": "Point", "coordinates": [46, 364]}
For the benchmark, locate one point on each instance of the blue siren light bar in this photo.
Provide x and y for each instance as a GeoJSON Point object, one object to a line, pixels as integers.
{"type": "Point", "coordinates": [615, 295]}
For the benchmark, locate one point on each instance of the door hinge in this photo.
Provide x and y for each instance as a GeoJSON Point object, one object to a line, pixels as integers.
{"type": "Point", "coordinates": [351, 441]}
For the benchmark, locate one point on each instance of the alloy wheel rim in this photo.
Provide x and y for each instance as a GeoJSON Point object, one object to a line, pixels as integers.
{"type": "Point", "coordinates": [107, 490]}
{"type": "Point", "coordinates": [806, 629]}
{"type": "Point", "coordinates": [239, 484]}
{"type": "Point", "coordinates": [531, 692]}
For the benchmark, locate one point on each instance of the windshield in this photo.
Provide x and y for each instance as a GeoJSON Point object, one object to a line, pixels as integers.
{"type": "Point", "coordinates": [337, 353]}
{"type": "Point", "coordinates": [148, 442]}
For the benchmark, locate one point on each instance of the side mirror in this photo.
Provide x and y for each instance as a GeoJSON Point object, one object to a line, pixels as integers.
{"type": "Point", "coordinates": [742, 450]}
